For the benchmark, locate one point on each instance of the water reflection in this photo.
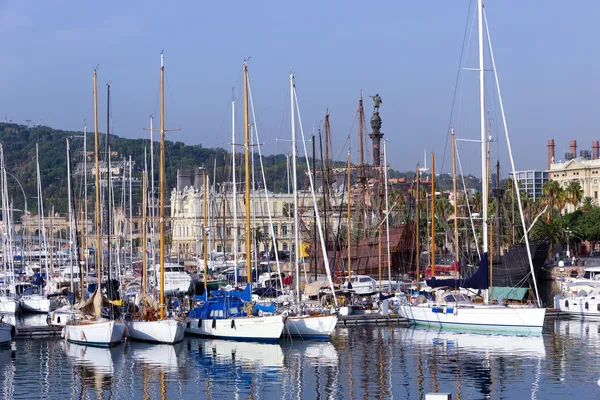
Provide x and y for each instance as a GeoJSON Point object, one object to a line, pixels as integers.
{"type": "Point", "coordinates": [358, 363]}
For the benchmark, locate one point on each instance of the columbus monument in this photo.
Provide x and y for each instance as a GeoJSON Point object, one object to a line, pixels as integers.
{"type": "Point", "coordinates": [376, 134]}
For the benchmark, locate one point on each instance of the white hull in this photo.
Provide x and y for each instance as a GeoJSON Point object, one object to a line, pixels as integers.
{"type": "Point", "coordinates": [6, 334]}
{"type": "Point", "coordinates": [478, 317]}
{"type": "Point", "coordinates": [317, 327]}
{"type": "Point", "coordinates": [253, 328]}
{"type": "Point", "coordinates": [581, 307]}
{"type": "Point", "coordinates": [35, 303]}
{"type": "Point", "coordinates": [164, 331]}
{"type": "Point", "coordinates": [61, 316]}
{"type": "Point", "coordinates": [8, 305]}
{"type": "Point", "coordinates": [103, 333]}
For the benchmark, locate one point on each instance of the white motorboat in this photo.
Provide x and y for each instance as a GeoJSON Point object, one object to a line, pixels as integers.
{"type": "Point", "coordinates": [456, 310]}
{"type": "Point", "coordinates": [176, 279]}
{"type": "Point", "coordinates": [311, 327]}
{"type": "Point", "coordinates": [62, 315]}
{"type": "Point", "coordinates": [35, 303]}
{"type": "Point", "coordinates": [7, 333]}
{"type": "Point", "coordinates": [584, 303]}
{"type": "Point", "coordinates": [362, 285]}
{"type": "Point", "coordinates": [8, 305]}
{"type": "Point", "coordinates": [167, 331]}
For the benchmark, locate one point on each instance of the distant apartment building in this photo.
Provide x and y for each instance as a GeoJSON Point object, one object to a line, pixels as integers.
{"type": "Point", "coordinates": [584, 168]}
{"type": "Point", "coordinates": [531, 182]}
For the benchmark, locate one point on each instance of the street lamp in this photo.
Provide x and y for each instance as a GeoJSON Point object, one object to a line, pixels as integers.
{"type": "Point", "coordinates": [568, 233]}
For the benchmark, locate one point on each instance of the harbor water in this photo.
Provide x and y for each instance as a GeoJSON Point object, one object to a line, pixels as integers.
{"type": "Point", "coordinates": [359, 362]}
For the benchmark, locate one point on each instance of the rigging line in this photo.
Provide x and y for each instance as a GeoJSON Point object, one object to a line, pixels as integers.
{"type": "Point", "coordinates": [462, 176]}
{"type": "Point", "coordinates": [458, 74]}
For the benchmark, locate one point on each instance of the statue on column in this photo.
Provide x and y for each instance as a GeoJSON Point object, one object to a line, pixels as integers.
{"type": "Point", "coordinates": [376, 102]}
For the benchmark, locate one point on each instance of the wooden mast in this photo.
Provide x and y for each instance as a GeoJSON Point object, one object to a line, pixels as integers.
{"type": "Point", "coordinates": [363, 177]}
{"type": "Point", "coordinates": [247, 178]}
{"type": "Point", "coordinates": [161, 179]}
{"type": "Point", "coordinates": [349, 220]}
{"type": "Point", "coordinates": [96, 156]}
{"type": "Point", "coordinates": [456, 257]}
{"type": "Point", "coordinates": [432, 214]}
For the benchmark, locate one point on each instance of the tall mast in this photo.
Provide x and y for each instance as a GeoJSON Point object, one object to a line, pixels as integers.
{"type": "Point", "coordinates": [97, 156]}
{"type": "Point", "coordinates": [235, 221]}
{"type": "Point", "coordinates": [85, 200]}
{"type": "Point", "coordinates": [417, 222]}
{"type": "Point", "coordinates": [70, 211]}
{"type": "Point", "coordinates": [387, 214]}
{"type": "Point", "coordinates": [432, 214]}
{"type": "Point", "coordinates": [130, 211]}
{"type": "Point", "coordinates": [152, 194]}
{"type": "Point", "coordinates": [456, 258]}
{"type": "Point", "coordinates": [108, 180]}
{"type": "Point", "coordinates": [295, 189]}
{"type": "Point", "coordinates": [484, 194]}
{"type": "Point", "coordinates": [162, 184]}
{"type": "Point", "coordinates": [349, 220]}
{"type": "Point", "coordinates": [247, 178]}
{"type": "Point", "coordinates": [326, 175]}
{"type": "Point", "coordinates": [144, 241]}
{"type": "Point", "coordinates": [205, 231]}
{"type": "Point", "coordinates": [363, 177]}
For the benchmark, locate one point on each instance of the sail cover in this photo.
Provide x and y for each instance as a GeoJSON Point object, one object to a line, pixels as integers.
{"type": "Point", "coordinates": [479, 280]}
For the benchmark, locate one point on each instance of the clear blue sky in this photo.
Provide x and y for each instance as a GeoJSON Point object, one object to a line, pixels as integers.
{"type": "Point", "coordinates": [408, 51]}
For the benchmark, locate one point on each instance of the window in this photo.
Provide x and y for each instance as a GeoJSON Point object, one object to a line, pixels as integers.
{"type": "Point", "coordinates": [284, 229]}
{"type": "Point", "coordinates": [285, 248]}
{"type": "Point", "coordinates": [219, 231]}
{"type": "Point", "coordinates": [266, 207]}
{"type": "Point", "coordinates": [587, 306]}
{"type": "Point", "coordinates": [228, 230]}
{"type": "Point", "coordinates": [595, 181]}
{"type": "Point", "coordinates": [595, 194]}
{"type": "Point", "coordinates": [274, 208]}
{"type": "Point", "coordinates": [276, 229]}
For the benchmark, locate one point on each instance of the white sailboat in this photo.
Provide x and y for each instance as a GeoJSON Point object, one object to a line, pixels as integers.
{"type": "Point", "coordinates": [90, 328]}
{"type": "Point", "coordinates": [319, 326]}
{"type": "Point", "coordinates": [148, 328]}
{"type": "Point", "coordinates": [457, 310]}
{"type": "Point", "coordinates": [228, 314]}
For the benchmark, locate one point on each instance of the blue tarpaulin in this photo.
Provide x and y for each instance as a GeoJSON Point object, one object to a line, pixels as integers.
{"type": "Point", "coordinates": [479, 280]}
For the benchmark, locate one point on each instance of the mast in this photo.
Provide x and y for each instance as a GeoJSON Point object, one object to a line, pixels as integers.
{"type": "Point", "coordinates": [295, 189]}
{"type": "Point", "coordinates": [235, 221]}
{"type": "Point", "coordinates": [315, 253]}
{"type": "Point", "coordinates": [349, 220]}
{"type": "Point", "coordinates": [70, 212]}
{"type": "Point", "coordinates": [387, 214]}
{"type": "Point", "coordinates": [456, 257]}
{"type": "Point", "coordinates": [152, 192]}
{"type": "Point", "coordinates": [484, 194]}
{"type": "Point", "coordinates": [97, 156]}
{"type": "Point", "coordinates": [144, 242]}
{"type": "Point", "coordinates": [326, 176]}
{"type": "Point", "coordinates": [205, 232]}
{"type": "Point", "coordinates": [363, 177]}
{"type": "Point", "coordinates": [42, 228]}
{"type": "Point", "coordinates": [130, 212]}
{"type": "Point", "coordinates": [161, 179]}
{"type": "Point", "coordinates": [432, 214]}
{"type": "Point", "coordinates": [85, 200]}
{"type": "Point", "coordinates": [247, 179]}
{"type": "Point", "coordinates": [108, 180]}
{"type": "Point", "coordinates": [417, 227]}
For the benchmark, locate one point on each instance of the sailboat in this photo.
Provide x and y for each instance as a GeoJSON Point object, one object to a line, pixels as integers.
{"type": "Point", "coordinates": [457, 310]}
{"type": "Point", "coordinates": [8, 301]}
{"type": "Point", "coordinates": [146, 327]}
{"type": "Point", "coordinates": [90, 328]}
{"type": "Point", "coordinates": [304, 325]}
{"type": "Point", "coordinates": [228, 314]}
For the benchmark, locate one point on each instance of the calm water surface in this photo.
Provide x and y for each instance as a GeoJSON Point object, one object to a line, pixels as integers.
{"type": "Point", "coordinates": [358, 363]}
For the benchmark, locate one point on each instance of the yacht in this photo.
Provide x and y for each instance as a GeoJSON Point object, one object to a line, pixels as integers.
{"type": "Point", "coordinates": [362, 285]}
{"type": "Point", "coordinates": [177, 280]}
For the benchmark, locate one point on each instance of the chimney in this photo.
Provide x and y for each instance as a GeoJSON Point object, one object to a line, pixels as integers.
{"type": "Point", "coordinates": [595, 150]}
{"type": "Point", "coordinates": [198, 180]}
{"type": "Point", "coordinates": [573, 148]}
{"type": "Point", "coordinates": [179, 188]}
{"type": "Point", "coordinates": [185, 179]}
{"type": "Point", "coordinates": [550, 152]}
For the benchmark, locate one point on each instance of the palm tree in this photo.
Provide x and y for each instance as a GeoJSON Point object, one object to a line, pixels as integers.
{"type": "Point", "coordinates": [574, 193]}
{"type": "Point", "coordinates": [553, 195]}
{"type": "Point", "coordinates": [588, 203]}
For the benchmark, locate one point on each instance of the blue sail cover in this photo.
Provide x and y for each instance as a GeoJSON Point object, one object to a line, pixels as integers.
{"type": "Point", "coordinates": [223, 304]}
{"type": "Point", "coordinates": [269, 309]}
{"type": "Point", "coordinates": [479, 280]}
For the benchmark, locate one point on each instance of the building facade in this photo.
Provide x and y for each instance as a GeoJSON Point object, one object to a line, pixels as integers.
{"type": "Point", "coordinates": [532, 182]}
